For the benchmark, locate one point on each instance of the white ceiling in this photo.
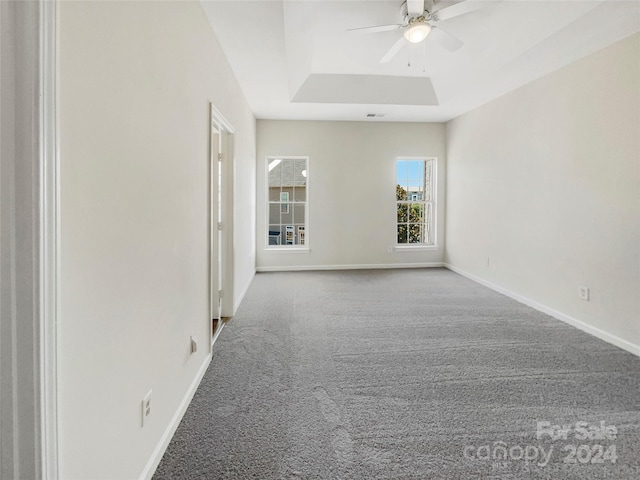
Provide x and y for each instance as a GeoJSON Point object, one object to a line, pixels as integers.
{"type": "Point", "coordinates": [295, 60]}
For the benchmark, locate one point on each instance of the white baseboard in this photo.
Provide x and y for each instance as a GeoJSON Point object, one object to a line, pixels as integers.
{"type": "Point", "coordinates": [240, 297]}
{"type": "Point", "coordinates": [585, 327]}
{"type": "Point", "coordinates": [295, 268]}
{"type": "Point", "coordinates": [157, 454]}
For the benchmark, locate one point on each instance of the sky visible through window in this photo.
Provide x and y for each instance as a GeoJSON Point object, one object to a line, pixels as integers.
{"type": "Point", "coordinates": [410, 173]}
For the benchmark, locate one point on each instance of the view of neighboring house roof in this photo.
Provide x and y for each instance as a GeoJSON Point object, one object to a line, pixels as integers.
{"type": "Point", "coordinates": [288, 173]}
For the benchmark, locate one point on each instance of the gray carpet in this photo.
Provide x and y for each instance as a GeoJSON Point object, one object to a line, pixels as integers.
{"type": "Point", "coordinates": [407, 374]}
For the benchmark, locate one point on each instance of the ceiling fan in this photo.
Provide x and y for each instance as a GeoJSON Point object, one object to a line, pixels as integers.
{"type": "Point", "coordinates": [419, 21]}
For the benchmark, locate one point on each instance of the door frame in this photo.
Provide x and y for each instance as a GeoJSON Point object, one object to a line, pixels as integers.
{"type": "Point", "coordinates": [49, 234]}
{"type": "Point", "coordinates": [29, 219]}
{"type": "Point", "coordinates": [221, 128]}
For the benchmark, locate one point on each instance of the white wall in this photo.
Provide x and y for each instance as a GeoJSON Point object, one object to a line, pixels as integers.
{"type": "Point", "coordinates": [136, 79]}
{"type": "Point", "coordinates": [352, 179]}
{"type": "Point", "coordinates": [545, 182]}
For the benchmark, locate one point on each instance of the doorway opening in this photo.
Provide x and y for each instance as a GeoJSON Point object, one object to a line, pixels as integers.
{"type": "Point", "coordinates": [221, 222]}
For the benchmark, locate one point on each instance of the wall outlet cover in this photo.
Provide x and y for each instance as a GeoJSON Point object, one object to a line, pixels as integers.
{"type": "Point", "coordinates": [146, 408]}
{"type": "Point", "coordinates": [583, 293]}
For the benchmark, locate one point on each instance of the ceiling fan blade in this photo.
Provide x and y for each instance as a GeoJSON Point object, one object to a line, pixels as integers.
{"type": "Point", "coordinates": [458, 9]}
{"type": "Point", "coordinates": [415, 8]}
{"type": "Point", "coordinates": [393, 50]}
{"type": "Point", "coordinates": [381, 28]}
{"type": "Point", "coordinates": [445, 39]}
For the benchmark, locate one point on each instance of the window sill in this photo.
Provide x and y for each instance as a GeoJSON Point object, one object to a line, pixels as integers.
{"type": "Point", "coordinates": [285, 249]}
{"type": "Point", "coordinates": [413, 248]}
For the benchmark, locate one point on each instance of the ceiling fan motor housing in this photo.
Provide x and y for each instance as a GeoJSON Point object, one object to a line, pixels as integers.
{"type": "Point", "coordinates": [404, 11]}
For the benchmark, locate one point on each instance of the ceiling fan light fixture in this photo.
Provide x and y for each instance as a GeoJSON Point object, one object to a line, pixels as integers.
{"type": "Point", "coordinates": [417, 31]}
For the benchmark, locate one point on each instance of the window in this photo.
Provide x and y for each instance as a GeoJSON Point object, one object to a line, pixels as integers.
{"type": "Point", "coordinates": [415, 201]}
{"type": "Point", "coordinates": [287, 181]}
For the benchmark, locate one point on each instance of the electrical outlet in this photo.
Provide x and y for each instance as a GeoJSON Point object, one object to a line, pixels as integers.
{"type": "Point", "coordinates": [194, 344]}
{"type": "Point", "coordinates": [146, 408]}
{"type": "Point", "coordinates": [389, 249]}
{"type": "Point", "coordinates": [488, 262]}
{"type": "Point", "coordinates": [583, 293]}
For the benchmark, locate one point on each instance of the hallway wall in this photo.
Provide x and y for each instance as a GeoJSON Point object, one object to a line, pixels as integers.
{"type": "Point", "coordinates": [136, 79]}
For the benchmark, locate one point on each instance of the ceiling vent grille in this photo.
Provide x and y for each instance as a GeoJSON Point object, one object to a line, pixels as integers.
{"type": "Point", "coordinates": [371, 115]}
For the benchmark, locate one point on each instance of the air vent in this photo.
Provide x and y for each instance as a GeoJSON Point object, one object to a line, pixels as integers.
{"type": "Point", "coordinates": [371, 115]}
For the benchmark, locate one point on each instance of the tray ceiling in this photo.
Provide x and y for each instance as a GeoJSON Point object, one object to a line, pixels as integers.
{"type": "Point", "coordinates": [295, 59]}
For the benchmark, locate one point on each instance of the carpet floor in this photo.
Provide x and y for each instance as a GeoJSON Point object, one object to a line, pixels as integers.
{"type": "Point", "coordinates": [405, 374]}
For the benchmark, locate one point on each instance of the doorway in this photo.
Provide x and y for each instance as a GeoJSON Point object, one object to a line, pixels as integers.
{"type": "Point", "coordinates": [221, 222]}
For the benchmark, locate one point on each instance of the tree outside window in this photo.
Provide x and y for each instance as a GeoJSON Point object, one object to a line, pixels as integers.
{"type": "Point", "coordinates": [415, 201]}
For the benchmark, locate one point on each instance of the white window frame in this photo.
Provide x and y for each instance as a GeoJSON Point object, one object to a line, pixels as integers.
{"type": "Point", "coordinates": [286, 248]}
{"type": "Point", "coordinates": [411, 247]}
